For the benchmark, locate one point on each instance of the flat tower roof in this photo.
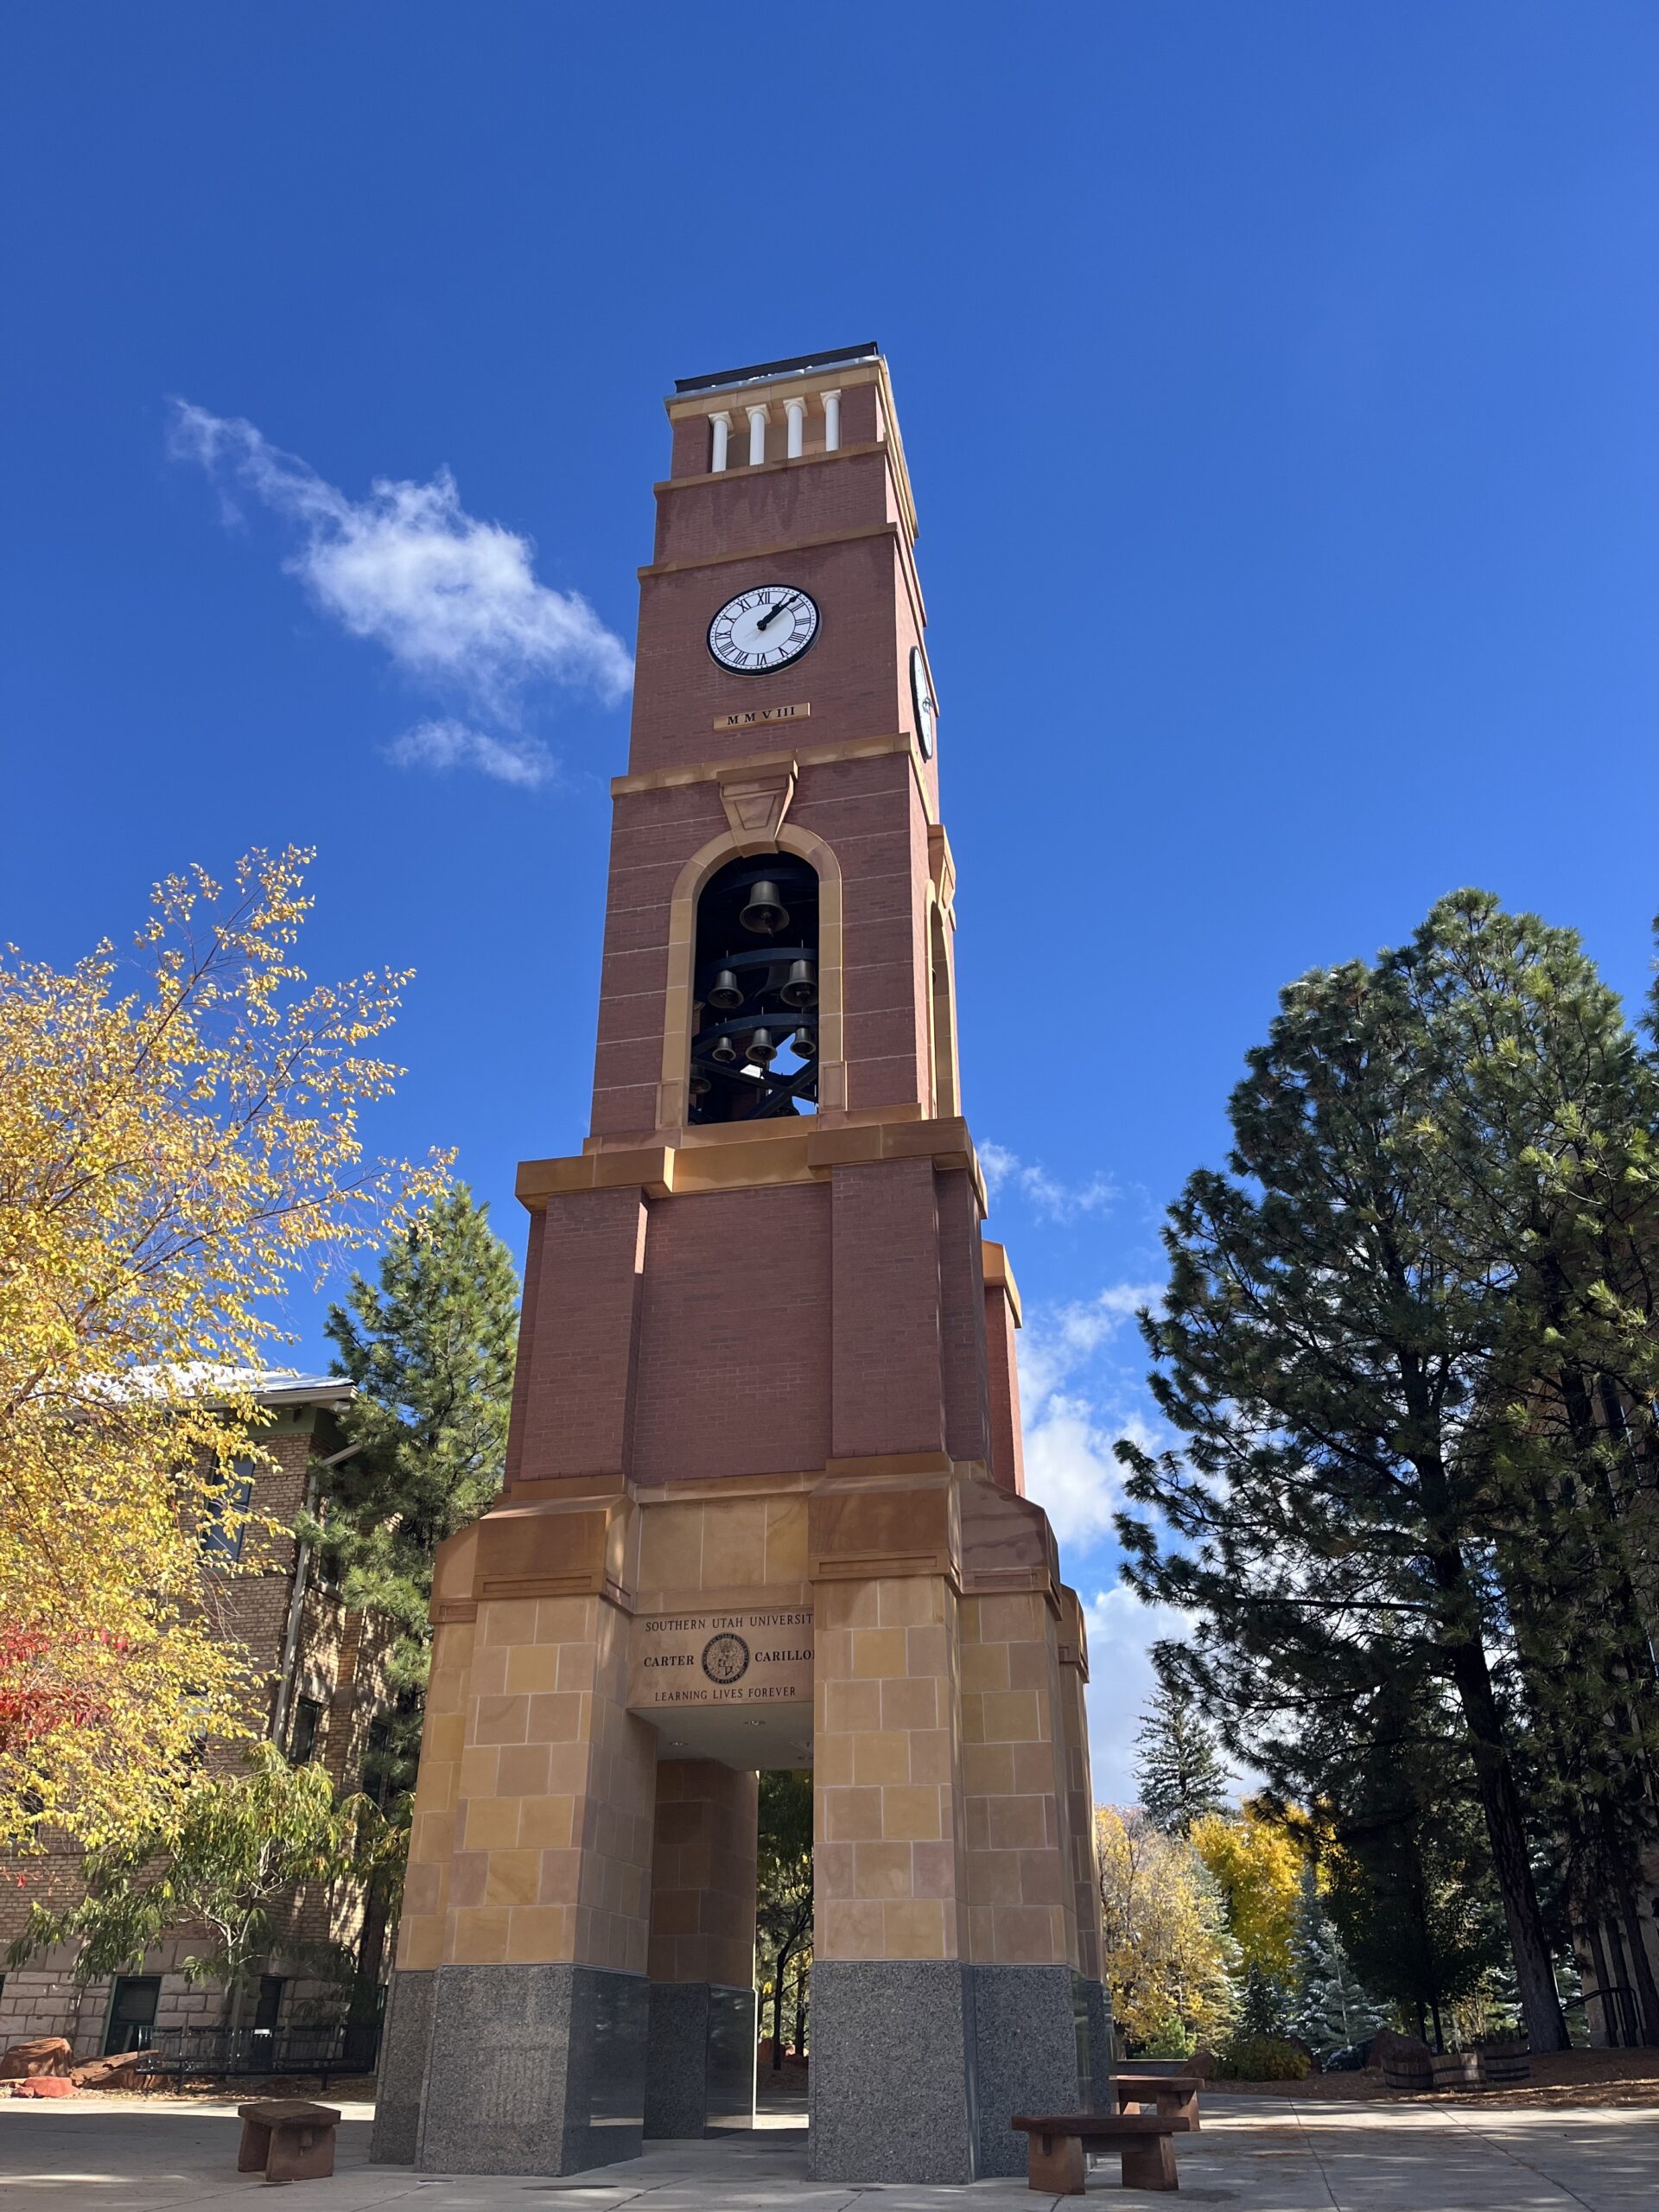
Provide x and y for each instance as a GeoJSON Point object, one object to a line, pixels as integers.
{"type": "Point", "coordinates": [761, 371]}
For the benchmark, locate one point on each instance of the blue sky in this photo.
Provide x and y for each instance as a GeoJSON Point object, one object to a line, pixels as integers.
{"type": "Point", "coordinates": [1278, 385]}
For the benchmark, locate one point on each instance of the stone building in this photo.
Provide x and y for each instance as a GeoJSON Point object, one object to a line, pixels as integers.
{"type": "Point", "coordinates": [764, 1497]}
{"type": "Point", "coordinates": [320, 1666]}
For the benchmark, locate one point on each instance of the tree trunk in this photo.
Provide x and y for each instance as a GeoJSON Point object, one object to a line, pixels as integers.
{"type": "Point", "coordinates": [777, 2010]}
{"type": "Point", "coordinates": [1500, 1801]}
{"type": "Point", "coordinates": [1612, 2029]}
{"type": "Point", "coordinates": [364, 2010]}
{"type": "Point", "coordinates": [1500, 1798]}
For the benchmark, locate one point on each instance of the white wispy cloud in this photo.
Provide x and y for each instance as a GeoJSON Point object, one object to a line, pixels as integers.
{"type": "Point", "coordinates": [452, 600]}
{"type": "Point", "coordinates": [445, 744]}
{"type": "Point", "coordinates": [1059, 1339]}
{"type": "Point", "coordinates": [1048, 1199]}
{"type": "Point", "coordinates": [1068, 1429]}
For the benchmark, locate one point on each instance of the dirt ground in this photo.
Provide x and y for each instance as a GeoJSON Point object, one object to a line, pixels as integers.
{"type": "Point", "coordinates": [1560, 2077]}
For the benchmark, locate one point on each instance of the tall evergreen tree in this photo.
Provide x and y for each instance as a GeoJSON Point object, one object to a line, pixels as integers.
{"type": "Point", "coordinates": [1178, 1770]}
{"type": "Point", "coordinates": [1384, 1340]}
{"type": "Point", "coordinates": [1331, 2008]}
{"type": "Point", "coordinates": [431, 1346]}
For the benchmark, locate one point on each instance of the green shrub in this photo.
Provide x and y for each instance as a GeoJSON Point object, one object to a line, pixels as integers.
{"type": "Point", "coordinates": [1168, 2040]}
{"type": "Point", "coordinates": [1261, 2058]}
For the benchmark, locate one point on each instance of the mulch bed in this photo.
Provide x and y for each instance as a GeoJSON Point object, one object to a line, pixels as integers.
{"type": "Point", "coordinates": [238, 2088]}
{"type": "Point", "coordinates": [1559, 2077]}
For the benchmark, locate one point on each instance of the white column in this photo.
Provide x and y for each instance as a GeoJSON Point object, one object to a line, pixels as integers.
{"type": "Point", "coordinates": [757, 416]}
{"type": "Point", "coordinates": [722, 423]}
{"type": "Point", "coordinates": [831, 421]}
{"type": "Point", "coordinates": [795, 410]}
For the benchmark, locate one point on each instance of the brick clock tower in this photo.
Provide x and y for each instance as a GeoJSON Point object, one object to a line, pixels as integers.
{"type": "Point", "coordinates": [763, 1503]}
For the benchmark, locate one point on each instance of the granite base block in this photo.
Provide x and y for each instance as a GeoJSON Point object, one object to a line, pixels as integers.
{"type": "Point", "coordinates": [534, 2069]}
{"type": "Point", "coordinates": [401, 2072]}
{"type": "Point", "coordinates": [731, 2058]}
{"type": "Point", "coordinates": [1024, 2056]}
{"type": "Point", "coordinates": [890, 2086]}
{"type": "Point", "coordinates": [700, 2076]}
{"type": "Point", "coordinates": [1091, 2007]}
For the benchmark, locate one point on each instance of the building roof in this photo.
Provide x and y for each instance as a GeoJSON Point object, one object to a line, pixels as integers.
{"type": "Point", "coordinates": [766, 371]}
{"type": "Point", "coordinates": [212, 1383]}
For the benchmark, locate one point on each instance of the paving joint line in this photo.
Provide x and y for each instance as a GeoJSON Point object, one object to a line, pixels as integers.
{"type": "Point", "coordinates": [1481, 2135]}
{"type": "Point", "coordinates": [1313, 2153]}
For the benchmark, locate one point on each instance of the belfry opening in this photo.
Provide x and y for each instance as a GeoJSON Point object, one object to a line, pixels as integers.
{"type": "Point", "coordinates": [754, 1047]}
{"type": "Point", "coordinates": [765, 1500]}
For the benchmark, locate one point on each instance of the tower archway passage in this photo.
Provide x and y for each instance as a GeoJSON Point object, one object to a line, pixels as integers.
{"type": "Point", "coordinates": [765, 1501]}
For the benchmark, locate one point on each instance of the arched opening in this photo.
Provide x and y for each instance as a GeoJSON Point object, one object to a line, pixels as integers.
{"type": "Point", "coordinates": [754, 1042]}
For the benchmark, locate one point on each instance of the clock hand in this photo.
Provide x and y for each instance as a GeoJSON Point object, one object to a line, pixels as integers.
{"type": "Point", "coordinates": [777, 610]}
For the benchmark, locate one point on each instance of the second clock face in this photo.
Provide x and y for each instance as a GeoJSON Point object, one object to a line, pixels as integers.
{"type": "Point", "coordinates": [763, 629]}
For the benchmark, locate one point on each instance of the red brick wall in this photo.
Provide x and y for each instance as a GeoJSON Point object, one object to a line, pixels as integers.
{"type": "Point", "coordinates": [870, 812]}
{"type": "Point", "coordinates": [851, 675]}
{"type": "Point", "coordinates": [576, 1399]}
{"type": "Point", "coordinates": [961, 1320]}
{"type": "Point", "coordinates": [886, 1316]}
{"type": "Point", "coordinates": [1008, 1463]}
{"type": "Point", "coordinates": [734, 1368]}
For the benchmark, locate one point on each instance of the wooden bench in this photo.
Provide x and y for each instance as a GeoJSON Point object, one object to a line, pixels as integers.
{"type": "Point", "coordinates": [1058, 2144]}
{"type": "Point", "coordinates": [288, 2138]}
{"type": "Point", "coordinates": [1165, 2092]}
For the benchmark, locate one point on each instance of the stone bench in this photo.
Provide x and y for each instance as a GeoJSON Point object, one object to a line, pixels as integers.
{"type": "Point", "coordinates": [288, 2138]}
{"type": "Point", "coordinates": [1058, 2144]}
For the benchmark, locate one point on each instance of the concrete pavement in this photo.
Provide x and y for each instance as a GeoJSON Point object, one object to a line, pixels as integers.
{"type": "Point", "coordinates": [1254, 2154]}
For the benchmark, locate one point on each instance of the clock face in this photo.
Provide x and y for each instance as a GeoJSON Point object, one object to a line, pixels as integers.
{"type": "Point", "coordinates": [921, 692]}
{"type": "Point", "coordinates": [763, 629]}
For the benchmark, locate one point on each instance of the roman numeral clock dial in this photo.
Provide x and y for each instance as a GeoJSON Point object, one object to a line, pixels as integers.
{"type": "Point", "coordinates": [763, 629]}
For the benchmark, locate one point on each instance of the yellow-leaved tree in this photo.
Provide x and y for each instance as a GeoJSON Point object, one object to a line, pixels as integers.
{"type": "Point", "coordinates": [1168, 1956]}
{"type": "Point", "coordinates": [179, 1134]}
{"type": "Point", "coordinates": [1256, 1862]}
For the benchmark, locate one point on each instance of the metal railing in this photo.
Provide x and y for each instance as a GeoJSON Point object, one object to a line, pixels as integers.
{"type": "Point", "coordinates": [345, 2048]}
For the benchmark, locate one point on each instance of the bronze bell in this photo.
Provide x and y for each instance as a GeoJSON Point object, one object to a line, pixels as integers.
{"type": "Point", "coordinates": [726, 993]}
{"type": "Point", "coordinates": [762, 1052]}
{"type": "Point", "coordinates": [766, 913]}
{"type": "Point", "coordinates": [700, 1086]}
{"type": "Point", "coordinates": [800, 988]}
{"type": "Point", "coordinates": [806, 1045]}
{"type": "Point", "coordinates": [724, 1052]}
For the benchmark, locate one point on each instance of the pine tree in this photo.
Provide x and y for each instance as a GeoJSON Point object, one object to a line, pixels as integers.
{"type": "Point", "coordinates": [431, 1348]}
{"type": "Point", "coordinates": [1331, 2010]}
{"type": "Point", "coordinates": [1178, 1771]}
{"type": "Point", "coordinates": [1410, 1344]}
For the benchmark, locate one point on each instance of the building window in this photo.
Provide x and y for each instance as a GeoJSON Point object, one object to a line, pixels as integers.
{"type": "Point", "coordinates": [302, 1736]}
{"type": "Point", "coordinates": [132, 2014]}
{"type": "Point", "coordinates": [221, 1539]}
{"type": "Point", "coordinates": [377, 1763]}
{"type": "Point", "coordinates": [269, 2003]}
